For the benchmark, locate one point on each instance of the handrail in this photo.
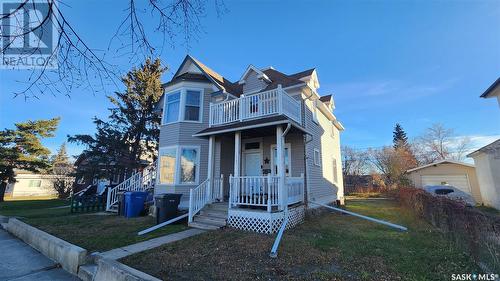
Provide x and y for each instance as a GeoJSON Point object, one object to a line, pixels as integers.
{"type": "Point", "coordinates": [138, 181]}
{"type": "Point", "coordinates": [258, 105]}
{"type": "Point", "coordinates": [205, 193]}
{"type": "Point", "coordinates": [83, 190]}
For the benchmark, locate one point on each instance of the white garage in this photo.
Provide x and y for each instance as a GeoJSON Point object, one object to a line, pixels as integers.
{"type": "Point", "coordinates": [459, 181]}
{"type": "Point", "coordinates": [447, 172]}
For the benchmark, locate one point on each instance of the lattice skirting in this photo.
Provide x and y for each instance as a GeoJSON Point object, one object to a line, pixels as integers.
{"type": "Point", "coordinates": [264, 222]}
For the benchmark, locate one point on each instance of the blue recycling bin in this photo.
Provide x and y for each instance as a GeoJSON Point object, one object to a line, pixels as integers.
{"type": "Point", "coordinates": [134, 203]}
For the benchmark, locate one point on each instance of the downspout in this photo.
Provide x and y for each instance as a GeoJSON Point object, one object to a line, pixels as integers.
{"type": "Point", "coordinates": [306, 177]}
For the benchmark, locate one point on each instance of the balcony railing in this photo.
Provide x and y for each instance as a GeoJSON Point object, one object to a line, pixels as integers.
{"type": "Point", "coordinates": [273, 102]}
{"type": "Point", "coordinates": [263, 191]}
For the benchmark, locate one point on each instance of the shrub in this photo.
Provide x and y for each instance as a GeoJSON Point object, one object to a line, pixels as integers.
{"type": "Point", "coordinates": [477, 232]}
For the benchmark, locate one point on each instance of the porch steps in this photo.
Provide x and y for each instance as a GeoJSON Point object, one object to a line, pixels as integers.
{"type": "Point", "coordinates": [213, 216]}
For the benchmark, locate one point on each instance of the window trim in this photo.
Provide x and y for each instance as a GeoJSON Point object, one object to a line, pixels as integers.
{"type": "Point", "coordinates": [315, 112]}
{"type": "Point", "coordinates": [177, 167]}
{"type": "Point", "coordinates": [182, 105]}
{"type": "Point", "coordinates": [318, 162]}
{"type": "Point", "coordinates": [289, 146]}
{"type": "Point", "coordinates": [335, 169]}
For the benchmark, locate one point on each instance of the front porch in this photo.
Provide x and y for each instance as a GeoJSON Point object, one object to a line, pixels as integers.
{"type": "Point", "coordinates": [260, 173]}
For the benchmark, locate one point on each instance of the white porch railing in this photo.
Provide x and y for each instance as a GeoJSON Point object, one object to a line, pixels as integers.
{"type": "Point", "coordinates": [139, 181]}
{"type": "Point", "coordinates": [204, 194]}
{"type": "Point", "coordinates": [264, 191]}
{"type": "Point", "coordinates": [259, 105]}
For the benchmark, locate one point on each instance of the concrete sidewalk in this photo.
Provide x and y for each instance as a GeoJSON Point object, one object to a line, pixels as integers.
{"type": "Point", "coordinates": [150, 244]}
{"type": "Point", "coordinates": [18, 261]}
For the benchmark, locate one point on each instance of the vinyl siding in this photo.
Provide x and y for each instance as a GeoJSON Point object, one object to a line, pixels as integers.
{"type": "Point", "coordinates": [181, 133]}
{"type": "Point", "coordinates": [253, 83]}
{"type": "Point", "coordinates": [320, 179]}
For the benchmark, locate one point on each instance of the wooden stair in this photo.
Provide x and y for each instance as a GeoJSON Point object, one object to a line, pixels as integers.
{"type": "Point", "coordinates": [211, 217]}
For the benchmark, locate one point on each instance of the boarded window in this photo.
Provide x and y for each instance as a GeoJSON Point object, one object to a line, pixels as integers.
{"type": "Point", "coordinates": [167, 165]}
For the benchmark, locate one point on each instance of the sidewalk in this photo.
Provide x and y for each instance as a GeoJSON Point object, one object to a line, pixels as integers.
{"type": "Point", "coordinates": [19, 262]}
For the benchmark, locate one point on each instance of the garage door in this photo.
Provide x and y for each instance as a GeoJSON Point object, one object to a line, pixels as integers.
{"type": "Point", "coordinates": [459, 181]}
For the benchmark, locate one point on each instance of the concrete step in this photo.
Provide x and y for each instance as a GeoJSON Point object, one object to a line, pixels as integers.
{"type": "Point", "coordinates": [87, 272]}
{"type": "Point", "coordinates": [214, 213]}
{"type": "Point", "coordinates": [210, 220]}
{"type": "Point", "coordinates": [204, 226]}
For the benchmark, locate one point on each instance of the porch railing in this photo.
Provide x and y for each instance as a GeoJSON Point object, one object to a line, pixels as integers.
{"type": "Point", "coordinates": [264, 191]}
{"type": "Point", "coordinates": [207, 192]}
{"type": "Point", "coordinates": [259, 105]}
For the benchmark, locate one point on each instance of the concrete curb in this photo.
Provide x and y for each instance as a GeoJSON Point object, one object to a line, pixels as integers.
{"type": "Point", "coordinates": [111, 270]}
{"type": "Point", "coordinates": [4, 219]}
{"type": "Point", "coordinates": [68, 255]}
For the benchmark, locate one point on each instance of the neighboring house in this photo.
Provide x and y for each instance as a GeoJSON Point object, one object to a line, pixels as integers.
{"type": "Point", "coordinates": [487, 161]}
{"type": "Point", "coordinates": [493, 91]}
{"type": "Point", "coordinates": [29, 184]}
{"type": "Point", "coordinates": [263, 147]}
{"type": "Point", "coordinates": [447, 172]}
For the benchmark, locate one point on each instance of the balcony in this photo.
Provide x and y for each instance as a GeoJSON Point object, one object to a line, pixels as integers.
{"type": "Point", "coordinates": [264, 104]}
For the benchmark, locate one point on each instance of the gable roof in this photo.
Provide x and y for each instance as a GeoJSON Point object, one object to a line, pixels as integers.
{"type": "Point", "coordinates": [493, 145]}
{"type": "Point", "coordinates": [303, 74]}
{"type": "Point", "coordinates": [439, 163]}
{"type": "Point", "coordinates": [491, 89]}
{"type": "Point", "coordinates": [278, 77]}
{"type": "Point", "coordinates": [256, 70]}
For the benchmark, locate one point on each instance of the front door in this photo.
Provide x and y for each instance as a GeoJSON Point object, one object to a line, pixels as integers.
{"type": "Point", "coordinates": [252, 164]}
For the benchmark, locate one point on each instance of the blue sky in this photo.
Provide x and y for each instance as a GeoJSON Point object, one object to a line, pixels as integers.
{"type": "Point", "coordinates": [412, 62]}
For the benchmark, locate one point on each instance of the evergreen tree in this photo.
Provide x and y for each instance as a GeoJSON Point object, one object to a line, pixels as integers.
{"type": "Point", "coordinates": [21, 148]}
{"type": "Point", "coordinates": [132, 131]}
{"type": "Point", "coordinates": [399, 138]}
{"type": "Point", "coordinates": [62, 169]}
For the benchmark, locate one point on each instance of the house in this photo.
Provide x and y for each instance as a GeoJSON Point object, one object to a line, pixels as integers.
{"type": "Point", "coordinates": [493, 91]}
{"type": "Point", "coordinates": [30, 184]}
{"type": "Point", "coordinates": [249, 153]}
{"type": "Point", "coordinates": [447, 172]}
{"type": "Point", "coordinates": [487, 161]}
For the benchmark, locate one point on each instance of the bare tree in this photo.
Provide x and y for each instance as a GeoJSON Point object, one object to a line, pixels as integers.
{"type": "Point", "coordinates": [354, 162]}
{"type": "Point", "coordinates": [440, 143]}
{"type": "Point", "coordinates": [393, 164]}
{"type": "Point", "coordinates": [80, 65]}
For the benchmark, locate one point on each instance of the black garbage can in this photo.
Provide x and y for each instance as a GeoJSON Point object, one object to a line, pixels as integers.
{"type": "Point", "coordinates": [121, 204]}
{"type": "Point", "coordinates": [167, 206]}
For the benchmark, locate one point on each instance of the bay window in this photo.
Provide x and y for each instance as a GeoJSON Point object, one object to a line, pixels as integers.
{"type": "Point", "coordinates": [183, 105]}
{"type": "Point", "coordinates": [179, 165]}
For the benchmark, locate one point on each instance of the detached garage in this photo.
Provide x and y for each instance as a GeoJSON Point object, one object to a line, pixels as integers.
{"type": "Point", "coordinates": [447, 172]}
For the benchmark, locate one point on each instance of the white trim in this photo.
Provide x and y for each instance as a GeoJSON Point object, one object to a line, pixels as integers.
{"type": "Point", "coordinates": [335, 170]}
{"type": "Point", "coordinates": [440, 162]}
{"type": "Point", "coordinates": [315, 112]}
{"type": "Point", "coordinates": [289, 146]}
{"type": "Point", "coordinates": [317, 163]}
{"type": "Point", "coordinates": [177, 167]}
{"type": "Point", "coordinates": [182, 105]}
{"type": "Point", "coordinates": [252, 127]}
{"type": "Point", "coordinates": [258, 71]}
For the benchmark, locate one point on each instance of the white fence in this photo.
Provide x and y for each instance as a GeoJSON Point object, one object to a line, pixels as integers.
{"type": "Point", "coordinates": [204, 194]}
{"type": "Point", "coordinates": [258, 105]}
{"type": "Point", "coordinates": [263, 191]}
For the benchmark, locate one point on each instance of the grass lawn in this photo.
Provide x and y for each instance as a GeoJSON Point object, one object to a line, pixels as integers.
{"type": "Point", "coordinates": [94, 232]}
{"type": "Point", "coordinates": [329, 246]}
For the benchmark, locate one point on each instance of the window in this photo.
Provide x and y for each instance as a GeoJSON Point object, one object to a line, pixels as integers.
{"type": "Point", "coordinates": [193, 103]}
{"type": "Point", "coordinates": [252, 145]}
{"type": "Point", "coordinates": [172, 107]}
{"type": "Point", "coordinates": [188, 163]}
{"type": "Point", "coordinates": [332, 132]}
{"type": "Point", "coordinates": [335, 172]}
{"type": "Point", "coordinates": [179, 165]}
{"type": "Point", "coordinates": [274, 159]}
{"type": "Point", "coordinates": [35, 183]}
{"type": "Point", "coordinates": [315, 112]}
{"type": "Point", "coordinates": [317, 159]}
{"type": "Point", "coordinates": [167, 165]}
{"type": "Point", "coordinates": [183, 105]}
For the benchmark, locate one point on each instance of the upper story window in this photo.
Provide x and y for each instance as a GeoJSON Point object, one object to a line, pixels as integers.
{"type": "Point", "coordinates": [317, 157]}
{"type": "Point", "coordinates": [315, 112]}
{"type": "Point", "coordinates": [183, 105]}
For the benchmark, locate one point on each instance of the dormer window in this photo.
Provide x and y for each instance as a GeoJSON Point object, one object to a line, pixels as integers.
{"type": "Point", "coordinates": [183, 105]}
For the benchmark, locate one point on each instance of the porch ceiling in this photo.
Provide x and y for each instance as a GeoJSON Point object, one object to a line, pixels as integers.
{"type": "Point", "coordinates": [256, 127]}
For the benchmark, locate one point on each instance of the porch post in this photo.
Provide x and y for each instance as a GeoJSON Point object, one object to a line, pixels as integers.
{"type": "Point", "coordinates": [281, 167]}
{"type": "Point", "coordinates": [210, 172]}
{"type": "Point", "coordinates": [237, 153]}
